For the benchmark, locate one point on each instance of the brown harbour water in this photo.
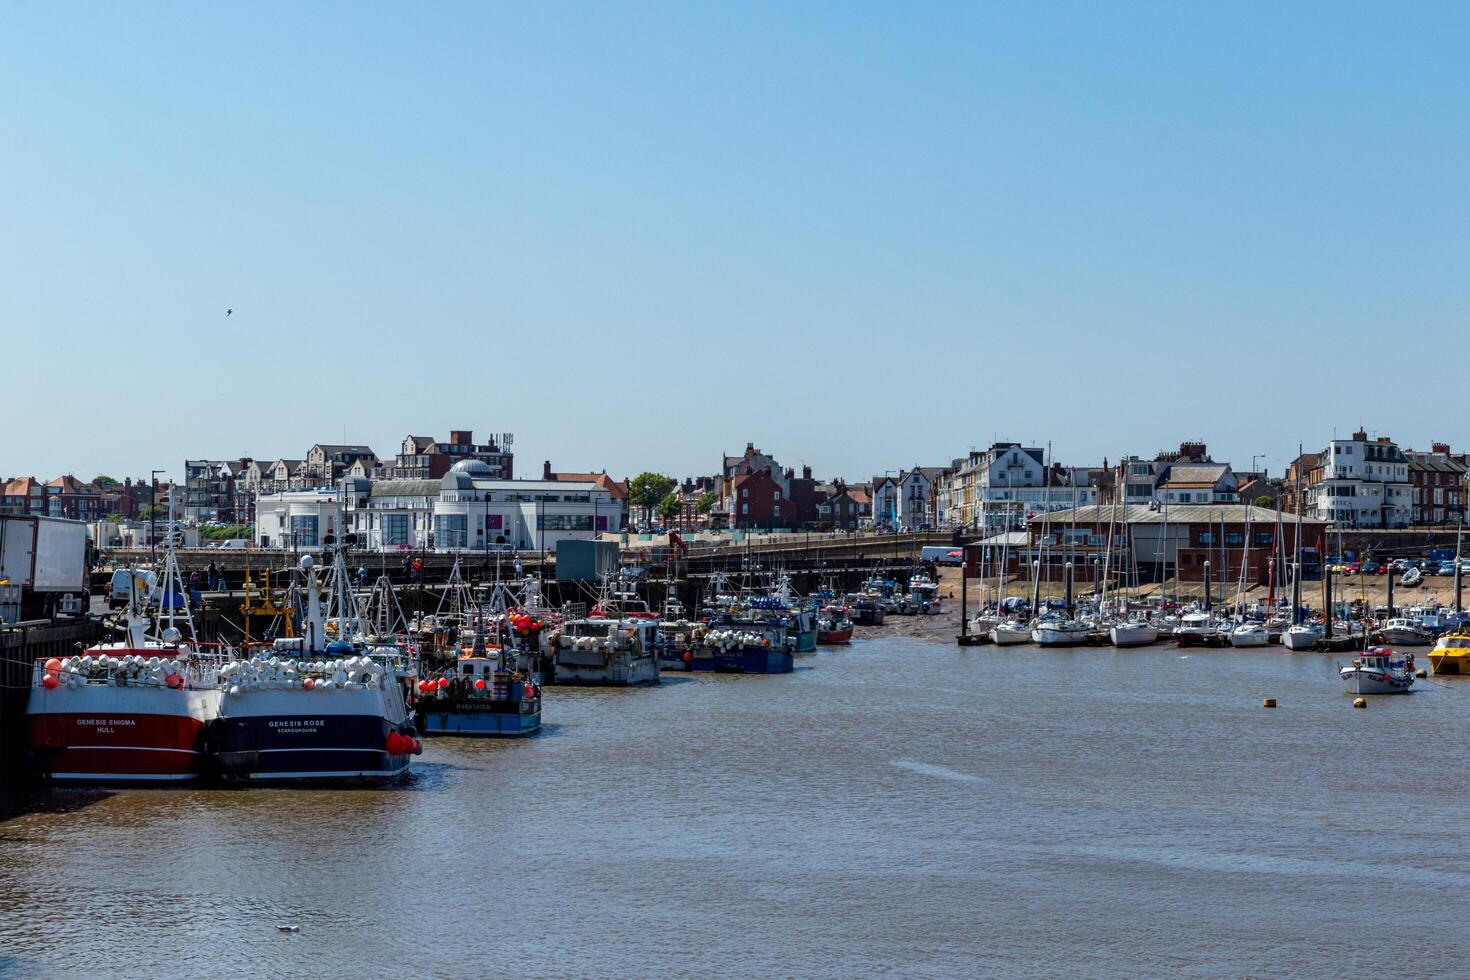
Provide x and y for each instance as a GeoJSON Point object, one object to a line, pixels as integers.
{"type": "Point", "coordinates": [902, 807]}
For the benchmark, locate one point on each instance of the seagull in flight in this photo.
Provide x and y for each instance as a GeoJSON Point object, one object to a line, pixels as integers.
{"type": "Point", "coordinates": [228, 312]}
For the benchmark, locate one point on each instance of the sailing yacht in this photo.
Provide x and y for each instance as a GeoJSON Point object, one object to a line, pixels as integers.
{"type": "Point", "coordinates": [1133, 633]}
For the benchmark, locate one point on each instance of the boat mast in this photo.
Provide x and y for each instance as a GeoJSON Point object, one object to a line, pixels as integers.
{"type": "Point", "coordinates": [1296, 571]}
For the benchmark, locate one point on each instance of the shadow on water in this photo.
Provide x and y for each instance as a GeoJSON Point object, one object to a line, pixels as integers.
{"type": "Point", "coordinates": [50, 799]}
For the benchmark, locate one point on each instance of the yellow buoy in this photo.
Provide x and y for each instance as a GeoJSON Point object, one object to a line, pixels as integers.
{"type": "Point", "coordinates": [1421, 672]}
{"type": "Point", "coordinates": [1268, 703]}
{"type": "Point", "coordinates": [1359, 703]}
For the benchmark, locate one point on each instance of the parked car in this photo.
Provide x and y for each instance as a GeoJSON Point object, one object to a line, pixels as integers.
{"type": "Point", "coordinates": [1445, 568]}
{"type": "Point", "coordinates": [1371, 568]}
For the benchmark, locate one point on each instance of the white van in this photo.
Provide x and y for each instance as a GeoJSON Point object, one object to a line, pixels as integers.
{"type": "Point", "coordinates": [233, 544]}
{"type": "Point", "coordinates": [121, 587]}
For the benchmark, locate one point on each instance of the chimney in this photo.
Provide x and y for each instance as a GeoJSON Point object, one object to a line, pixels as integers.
{"type": "Point", "coordinates": [806, 471]}
{"type": "Point", "coordinates": [1441, 448]}
{"type": "Point", "coordinates": [461, 437]}
{"type": "Point", "coordinates": [546, 470]}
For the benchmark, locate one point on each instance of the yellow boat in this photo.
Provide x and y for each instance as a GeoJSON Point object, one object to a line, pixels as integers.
{"type": "Point", "coordinates": [1451, 655]}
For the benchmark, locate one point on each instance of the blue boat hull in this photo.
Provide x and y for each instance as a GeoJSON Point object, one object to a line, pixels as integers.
{"type": "Point", "coordinates": [744, 660]}
{"type": "Point", "coordinates": [325, 747]}
{"type": "Point", "coordinates": [486, 723]}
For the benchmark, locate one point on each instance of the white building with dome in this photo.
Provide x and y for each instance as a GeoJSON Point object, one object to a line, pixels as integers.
{"type": "Point", "coordinates": [468, 509]}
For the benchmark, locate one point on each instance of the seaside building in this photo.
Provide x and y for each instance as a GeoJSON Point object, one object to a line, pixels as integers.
{"type": "Point", "coordinates": [1437, 485]}
{"type": "Point", "coordinates": [1360, 483]}
{"type": "Point", "coordinates": [468, 509]}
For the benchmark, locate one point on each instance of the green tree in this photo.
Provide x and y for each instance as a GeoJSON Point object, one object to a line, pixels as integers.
{"type": "Point", "coordinates": [153, 511]}
{"type": "Point", "coordinates": [103, 480]}
{"type": "Point", "coordinates": [1265, 500]}
{"type": "Point", "coordinates": [670, 507]}
{"type": "Point", "coordinates": [647, 489]}
{"type": "Point", "coordinates": [706, 502]}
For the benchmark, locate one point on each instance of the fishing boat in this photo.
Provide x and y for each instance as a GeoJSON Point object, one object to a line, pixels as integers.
{"type": "Point", "coordinates": [833, 626]}
{"type": "Point", "coordinates": [323, 706]}
{"type": "Point", "coordinates": [1250, 635]}
{"type": "Point", "coordinates": [1404, 632]}
{"type": "Point", "coordinates": [1133, 633]}
{"type": "Point", "coordinates": [744, 647]}
{"type": "Point", "coordinates": [867, 610]}
{"type": "Point", "coordinates": [1377, 671]}
{"type": "Point", "coordinates": [610, 652]}
{"type": "Point", "coordinates": [1451, 654]}
{"type": "Point", "coordinates": [134, 711]}
{"type": "Point", "coordinates": [483, 696]}
{"type": "Point", "coordinates": [923, 598]}
{"type": "Point", "coordinates": [485, 692]}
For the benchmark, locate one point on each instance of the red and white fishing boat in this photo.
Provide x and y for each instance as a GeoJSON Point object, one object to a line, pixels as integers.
{"type": "Point", "coordinates": [132, 711]}
{"type": "Point", "coordinates": [834, 625]}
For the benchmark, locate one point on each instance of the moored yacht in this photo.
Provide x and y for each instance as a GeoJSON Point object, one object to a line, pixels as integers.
{"type": "Point", "coordinates": [1012, 632]}
{"type": "Point", "coordinates": [1133, 633]}
{"type": "Point", "coordinates": [1250, 635]}
{"type": "Point", "coordinates": [1302, 636]}
{"type": "Point", "coordinates": [1054, 631]}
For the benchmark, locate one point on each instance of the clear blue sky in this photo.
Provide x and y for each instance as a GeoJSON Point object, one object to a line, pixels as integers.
{"type": "Point", "coordinates": [863, 236]}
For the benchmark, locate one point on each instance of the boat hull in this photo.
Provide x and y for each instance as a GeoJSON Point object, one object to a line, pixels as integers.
{"type": "Point", "coordinates": [494, 720]}
{"type": "Point", "coordinates": [1133, 636]}
{"type": "Point", "coordinates": [620, 672]}
{"type": "Point", "coordinates": [1003, 637]}
{"type": "Point", "coordinates": [1249, 639]}
{"type": "Point", "coordinates": [1375, 682]}
{"type": "Point", "coordinates": [1406, 638]}
{"type": "Point", "coordinates": [1048, 637]}
{"type": "Point", "coordinates": [311, 736]}
{"type": "Point", "coordinates": [100, 734]}
{"type": "Point", "coordinates": [1300, 641]}
{"type": "Point", "coordinates": [743, 660]}
{"type": "Point", "coordinates": [1449, 663]}
{"type": "Point", "coordinates": [832, 637]}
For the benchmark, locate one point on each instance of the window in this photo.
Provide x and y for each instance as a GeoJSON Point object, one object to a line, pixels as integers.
{"type": "Point", "coordinates": [776, 510]}
{"type": "Point", "coordinates": [564, 522]}
{"type": "Point", "coordinates": [395, 529]}
{"type": "Point", "coordinates": [304, 530]}
{"type": "Point", "coordinates": [451, 530]}
{"type": "Point", "coordinates": [1264, 539]}
{"type": "Point", "coordinates": [745, 508]}
{"type": "Point", "coordinates": [1206, 537]}
{"type": "Point", "coordinates": [1236, 538]}
{"type": "Point", "coordinates": [745, 491]}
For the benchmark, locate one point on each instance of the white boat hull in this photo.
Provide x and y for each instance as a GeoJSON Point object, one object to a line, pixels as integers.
{"type": "Point", "coordinates": [1370, 681]}
{"type": "Point", "coordinates": [1249, 638]}
{"type": "Point", "coordinates": [1009, 636]}
{"type": "Point", "coordinates": [1134, 635]}
{"type": "Point", "coordinates": [1300, 639]}
{"type": "Point", "coordinates": [1050, 636]}
{"type": "Point", "coordinates": [1395, 636]}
